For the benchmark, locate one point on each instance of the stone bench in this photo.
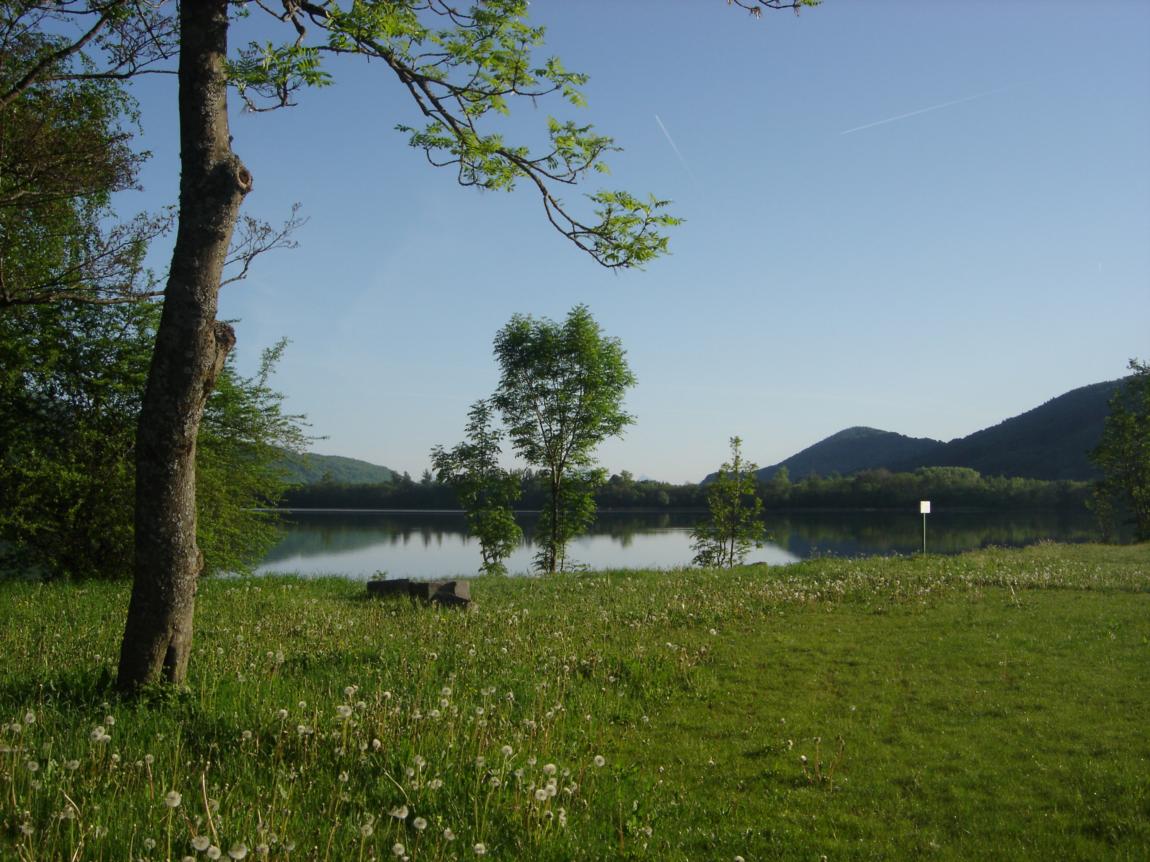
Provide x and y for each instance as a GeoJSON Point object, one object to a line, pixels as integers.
{"type": "Point", "coordinates": [451, 593]}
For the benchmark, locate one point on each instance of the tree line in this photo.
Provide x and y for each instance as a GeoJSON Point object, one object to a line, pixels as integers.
{"type": "Point", "coordinates": [955, 487]}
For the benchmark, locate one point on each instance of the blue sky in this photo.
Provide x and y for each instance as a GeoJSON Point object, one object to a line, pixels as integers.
{"type": "Point", "coordinates": [930, 275]}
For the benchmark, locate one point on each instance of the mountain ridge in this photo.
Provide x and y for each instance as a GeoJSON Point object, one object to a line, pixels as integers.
{"type": "Point", "coordinates": [311, 468]}
{"type": "Point", "coordinates": [1050, 441]}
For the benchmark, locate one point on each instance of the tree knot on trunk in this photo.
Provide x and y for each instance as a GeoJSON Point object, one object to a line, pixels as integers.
{"type": "Point", "coordinates": [244, 178]}
{"type": "Point", "coordinates": [225, 340]}
{"type": "Point", "coordinates": [230, 176]}
{"type": "Point", "coordinates": [225, 336]}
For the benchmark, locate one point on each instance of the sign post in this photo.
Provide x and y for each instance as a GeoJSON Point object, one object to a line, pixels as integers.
{"type": "Point", "coordinates": [924, 508]}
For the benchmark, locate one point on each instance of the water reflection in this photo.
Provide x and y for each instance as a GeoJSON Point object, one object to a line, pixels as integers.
{"type": "Point", "coordinates": [436, 544]}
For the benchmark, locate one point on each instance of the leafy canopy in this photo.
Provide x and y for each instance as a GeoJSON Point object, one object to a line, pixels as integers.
{"type": "Point", "coordinates": [1123, 453]}
{"type": "Point", "coordinates": [735, 524]}
{"type": "Point", "coordinates": [464, 69]}
{"type": "Point", "coordinates": [561, 391]}
{"type": "Point", "coordinates": [70, 387]}
{"type": "Point", "coordinates": [485, 490]}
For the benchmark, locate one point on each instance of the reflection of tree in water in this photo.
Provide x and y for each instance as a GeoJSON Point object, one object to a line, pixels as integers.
{"type": "Point", "coordinates": [314, 533]}
{"type": "Point", "coordinates": [803, 534]}
{"type": "Point", "coordinates": [624, 527]}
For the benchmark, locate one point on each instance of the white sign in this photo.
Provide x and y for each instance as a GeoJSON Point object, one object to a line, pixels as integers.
{"type": "Point", "coordinates": [924, 507]}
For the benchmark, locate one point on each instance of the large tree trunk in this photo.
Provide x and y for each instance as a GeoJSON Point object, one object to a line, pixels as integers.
{"type": "Point", "coordinates": [191, 346]}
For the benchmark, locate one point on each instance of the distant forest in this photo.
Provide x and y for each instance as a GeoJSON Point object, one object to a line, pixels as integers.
{"type": "Point", "coordinates": [950, 487]}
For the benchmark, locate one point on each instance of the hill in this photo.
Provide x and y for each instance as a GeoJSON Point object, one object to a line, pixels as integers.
{"type": "Point", "coordinates": [310, 468]}
{"type": "Point", "coordinates": [1052, 442]}
{"type": "Point", "coordinates": [852, 450]}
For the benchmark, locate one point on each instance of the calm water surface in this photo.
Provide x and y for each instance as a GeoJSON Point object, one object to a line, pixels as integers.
{"type": "Point", "coordinates": [435, 544]}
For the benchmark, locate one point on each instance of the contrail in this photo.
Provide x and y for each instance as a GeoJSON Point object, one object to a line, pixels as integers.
{"type": "Point", "coordinates": [926, 110]}
{"type": "Point", "coordinates": [671, 141]}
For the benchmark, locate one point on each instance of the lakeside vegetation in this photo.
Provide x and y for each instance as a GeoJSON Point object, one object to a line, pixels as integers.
{"type": "Point", "coordinates": [952, 487]}
{"type": "Point", "coordinates": [989, 704]}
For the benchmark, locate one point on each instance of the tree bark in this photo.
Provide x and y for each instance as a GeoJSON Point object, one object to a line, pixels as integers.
{"type": "Point", "coordinates": [191, 347]}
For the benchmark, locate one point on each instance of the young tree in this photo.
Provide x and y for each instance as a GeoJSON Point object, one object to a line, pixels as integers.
{"type": "Point", "coordinates": [735, 524]}
{"type": "Point", "coordinates": [1123, 453]}
{"type": "Point", "coordinates": [560, 392]}
{"type": "Point", "coordinates": [485, 490]}
{"type": "Point", "coordinates": [239, 471]}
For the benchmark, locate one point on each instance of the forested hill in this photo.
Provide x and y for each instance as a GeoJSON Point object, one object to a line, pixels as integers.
{"type": "Point", "coordinates": [1052, 442]}
{"type": "Point", "coordinates": [308, 468]}
{"type": "Point", "coordinates": [852, 450]}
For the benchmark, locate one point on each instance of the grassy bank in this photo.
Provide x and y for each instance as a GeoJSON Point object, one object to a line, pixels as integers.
{"type": "Point", "coordinates": [992, 705]}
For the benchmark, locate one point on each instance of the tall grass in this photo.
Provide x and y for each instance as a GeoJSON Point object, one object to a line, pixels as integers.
{"type": "Point", "coordinates": [610, 715]}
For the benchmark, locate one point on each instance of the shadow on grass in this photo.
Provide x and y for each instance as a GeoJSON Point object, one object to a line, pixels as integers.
{"type": "Point", "coordinates": [72, 688]}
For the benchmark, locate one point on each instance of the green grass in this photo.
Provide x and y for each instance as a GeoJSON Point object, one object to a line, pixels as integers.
{"type": "Point", "coordinates": [993, 705]}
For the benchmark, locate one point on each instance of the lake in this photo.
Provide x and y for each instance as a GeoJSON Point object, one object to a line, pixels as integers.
{"type": "Point", "coordinates": [358, 545]}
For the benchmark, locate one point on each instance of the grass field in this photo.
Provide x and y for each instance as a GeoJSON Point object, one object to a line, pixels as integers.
{"type": "Point", "coordinates": [994, 705]}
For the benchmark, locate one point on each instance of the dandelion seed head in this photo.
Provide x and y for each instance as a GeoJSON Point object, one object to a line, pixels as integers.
{"type": "Point", "coordinates": [399, 813]}
{"type": "Point", "coordinates": [600, 760]}
{"type": "Point", "coordinates": [173, 799]}
{"type": "Point", "coordinates": [448, 835]}
{"type": "Point", "coordinates": [238, 851]}
{"type": "Point", "coordinates": [480, 849]}
{"type": "Point", "coordinates": [419, 823]}
{"type": "Point", "coordinates": [214, 852]}
{"type": "Point", "coordinates": [398, 849]}
{"type": "Point", "coordinates": [200, 843]}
